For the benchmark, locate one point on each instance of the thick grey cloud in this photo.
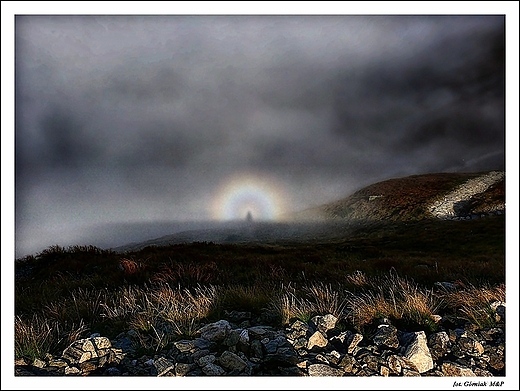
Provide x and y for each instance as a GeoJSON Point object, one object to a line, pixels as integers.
{"type": "Point", "coordinates": [139, 118]}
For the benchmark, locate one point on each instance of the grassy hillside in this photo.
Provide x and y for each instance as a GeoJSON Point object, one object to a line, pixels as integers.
{"type": "Point", "coordinates": [405, 199]}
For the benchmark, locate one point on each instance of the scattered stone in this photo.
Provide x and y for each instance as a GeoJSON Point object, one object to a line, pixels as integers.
{"type": "Point", "coordinates": [38, 363]}
{"type": "Point", "coordinates": [184, 345]}
{"type": "Point", "coordinates": [353, 341]}
{"type": "Point", "coordinates": [231, 361]}
{"type": "Point", "coordinates": [113, 371]}
{"type": "Point", "coordinates": [259, 332]}
{"type": "Point", "coordinates": [470, 346]}
{"type": "Point", "coordinates": [300, 343]}
{"type": "Point", "coordinates": [398, 363]}
{"type": "Point", "coordinates": [182, 369]}
{"type": "Point", "coordinates": [418, 353]}
{"type": "Point", "coordinates": [88, 366]}
{"type": "Point", "coordinates": [347, 363]}
{"type": "Point", "coordinates": [244, 337]}
{"type": "Point", "coordinates": [341, 338]}
{"type": "Point", "coordinates": [322, 358]}
{"type": "Point", "coordinates": [453, 369]}
{"type": "Point", "coordinates": [496, 359]}
{"type": "Point", "coordinates": [211, 369]}
{"type": "Point", "coordinates": [386, 336]}
{"type": "Point", "coordinates": [215, 331]}
{"type": "Point", "coordinates": [324, 370]}
{"type": "Point", "coordinates": [479, 372]}
{"type": "Point", "coordinates": [317, 340]}
{"type": "Point", "coordinates": [324, 323]}
{"type": "Point", "coordinates": [71, 371]}
{"type": "Point", "coordinates": [298, 329]}
{"type": "Point", "coordinates": [439, 344]}
{"type": "Point", "coordinates": [256, 349]}
{"type": "Point", "coordinates": [410, 372]}
{"type": "Point", "coordinates": [223, 349]}
{"type": "Point", "coordinates": [334, 357]}
{"type": "Point", "coordinates": [162, 365]}
{"type": "Point", "coordinates": [205, 360]}
{"type": "Point", "coordinates": [20, 361]}
{"type": "Point", "coordinates": [101, 343]}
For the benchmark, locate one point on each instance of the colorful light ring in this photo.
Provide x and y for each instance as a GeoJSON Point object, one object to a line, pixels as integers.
{"type": "Point", "coordinates": [261, 196]}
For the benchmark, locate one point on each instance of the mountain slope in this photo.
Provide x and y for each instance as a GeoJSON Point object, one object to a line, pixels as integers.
{"type": "Point", "coordinates": [413, 198]}
{"type": "Point", "coordinates": [443, 195]}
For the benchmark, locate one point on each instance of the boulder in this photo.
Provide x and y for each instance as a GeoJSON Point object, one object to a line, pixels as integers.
{"type": "Point", "coordinates": [353, 341]}
{"type": "Point", "coordinates": [232, 362]}
{"type": "Point", "coordinates": [162, 366]}
{"type": "Point", "coordinates": [324, 323]}
{"type": "Point", "coordinates": [211, 369]}
{"type": "Point", "coordinates": [418, 353]}
{"type": "Point", "coordinates": [216, 332]}
{"type": "Point", "coordinates": [386, 336]}
{"type": "Point", "coordinates": [454, 369]}
{"type": "Point", "coordinates": [317, 340]}
{"type": "Point", "coordinates": [439, 344]}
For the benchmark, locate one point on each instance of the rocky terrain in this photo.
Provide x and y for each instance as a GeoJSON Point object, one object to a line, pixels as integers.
{"type": "Point", "coordinates": [458, 203]}
{"type": "Point", "coordinates": [417, 197]}
{"type": "Point", "coordinates": [238, 347]}
{"type": "Point", "coordinates": [397, 225]}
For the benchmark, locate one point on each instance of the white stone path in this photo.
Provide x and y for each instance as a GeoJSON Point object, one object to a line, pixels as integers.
{"type": "Point", "coordinates": [444, 208]}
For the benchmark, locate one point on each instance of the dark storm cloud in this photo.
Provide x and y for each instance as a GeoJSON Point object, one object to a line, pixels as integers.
{"type": "Point", "coordinates": [142, 117]}
{"type": "Point", "coordinates": [446, 100]}
{"type": "Point", "coordinates": [65, 142]}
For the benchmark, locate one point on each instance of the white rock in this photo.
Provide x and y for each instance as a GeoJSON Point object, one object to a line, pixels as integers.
{"type": "Point", "coordinates": [317, 339]}
{"type": "Point", "coordinates": [418, 353]}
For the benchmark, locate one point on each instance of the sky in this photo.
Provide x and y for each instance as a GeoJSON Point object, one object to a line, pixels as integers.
{"type": "Point", "coordinates": [206, 117]}
{"type": "Point", "coordinates": [145, 118]}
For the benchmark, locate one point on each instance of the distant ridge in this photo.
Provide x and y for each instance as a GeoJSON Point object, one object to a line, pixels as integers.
{"type": "Point", "coordinates": [417, 197]}
{"type": "Point", "coordinates": [453, 196]}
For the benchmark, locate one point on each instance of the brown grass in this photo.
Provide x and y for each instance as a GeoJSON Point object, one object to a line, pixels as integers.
{"type": "Point", "coordinates": [474, 304]}
{"type": "Point", "coordinates": [395, 298]}
{"type": "Point", "coordinates": [38, 335]}
{"type": "Point", "coordinates": [368, 274]}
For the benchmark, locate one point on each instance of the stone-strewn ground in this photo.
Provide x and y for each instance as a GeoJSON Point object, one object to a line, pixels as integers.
{"type": "Point", "coordinates": [454, 204]}
{"type": "Point", "coordinates": [235, 347]}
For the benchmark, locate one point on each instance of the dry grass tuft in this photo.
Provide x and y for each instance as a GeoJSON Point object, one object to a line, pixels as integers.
{"type": "Point", "coordinates": [183, 308]}
{"type": "Point", "coordinates": [395, 298]}
{"type": "Point", "coordinates": [252, 298]}
{"type": "Point", "coordinates": [358, 279]}
{"type": "Point", "coordinates": [287, 306]}
{"type": "Point", "coordinates": [474, 304]}
{"type": "Point", "coordinates": [146, 309]}
{"type": "Point", "coordinates": [38, 336]}
{"type": "Point", "coordinates": [324, 299]}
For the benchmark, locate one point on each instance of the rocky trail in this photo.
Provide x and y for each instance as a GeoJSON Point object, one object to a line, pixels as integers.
{"type": "Point", "coordinates": [453, 202]}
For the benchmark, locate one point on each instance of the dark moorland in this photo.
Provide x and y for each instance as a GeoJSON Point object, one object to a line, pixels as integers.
{"type": "Point", "coordinates": [63, 294]}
